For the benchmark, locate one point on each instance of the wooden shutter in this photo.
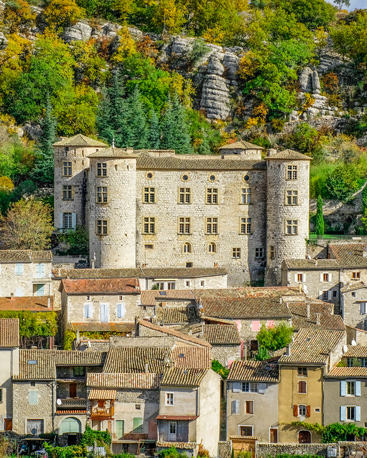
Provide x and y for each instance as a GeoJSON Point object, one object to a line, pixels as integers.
{"type": "Point", "coordinates": [61, 220]}
{"type": "Point", "coordinates": [343, 388]}
{"type": "Point", "coordinates": [249, 407]}
{"type": "Point", "coordinates": [308, 411]}
{"type": "Point", "coordinates": [358, 387]}
{"type": "Point", "coordinates": [295, 410]}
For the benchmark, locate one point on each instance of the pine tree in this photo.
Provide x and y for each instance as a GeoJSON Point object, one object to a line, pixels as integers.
{"type": "Point", "coordinates": [103, 118]}
{"type": "Point", "coordinates": [44, 164]}
{"type": "Point", "coordinates": [320, 225]}
{"type": "Point", "coordinates": [138, 126]}
{"type": "Point", "coordinates": [154, 139]}
{"type": "Point", "coordinates": [175, 130]}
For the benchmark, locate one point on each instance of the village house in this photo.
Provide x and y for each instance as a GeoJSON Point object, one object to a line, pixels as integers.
{"type": "Point", "coordinates": [301, 377]}
{"type": "Point", "coordinates": [354, 305]}
{"type": "Point", "coordinates": [25, 273]}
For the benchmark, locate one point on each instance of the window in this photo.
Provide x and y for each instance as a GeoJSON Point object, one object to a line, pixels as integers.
{"type": "Point", "coordinates": [351, 413]}
{"type": "Point", "coordinates": [148, 247]}
{"type": "Point", "coordinates": [101, 195]}
{"type": "Point", "coordinates": [119, 430]}
{"type": "Point", "coordinates": [67, 220]}
{"type": "Point", "coordinates": [300, 278]}
{"type": "Point", "coordinates": [259, 253]}
{"type": "Point", "coordinates": [248, 387]}
{"type": "Point", "coordinates": [292, 172]}
{"type": "Point", "coordinates": [35, 427]}
{"type": "Point", "coordinates": [246, 431]}
{"type": "Point", "coordinates": [211, 196]}
{"type": "Point", "coordinates": [137, 425]}
{"type": "Point", "coordinates": [137, 406]}
{"type": "Point", "coordinates": [187, 283]}
{"type": "Point", "coordinates": [40, 270]}
{"type": "Point", "coordinates": [249, 407]}
{"type": "Point", "coordinates": [245, 195]}
{"type": "Point", "coordinates": [149, 195]}
{"type": "Point", "coordinates": [302, 411]}
{"type": "Point", "coordinates": [19, 269]}
{"type": "Point", "coordinates": [356, 275]}
{"type": "Point", "coordinates": [189, 264]}
{"type": "Point", "coordinates": [291, 227]}
{"type": "Point", "coordinates": [272, 252]}
{"type": "Point", "coordinates": [88, 310]}
{"type": "Point", "coordinates": [186, 247]}
{"type": "Point", "coordinates": [212, 225]}
{"type": "Point", "coordinates": [39, 289]}
{"type": "Point", "coordinates": [33, 397]}
{"type": "Point", "coordinates": [171, 285]}
{"type": "Point", "coordinates": [302, 371]}
{"type": "Point", "coordinates": [79, 371]}
{"type": "Point", "coordinates": [184, 196]}
{"type": "Point", "coordinates": [149, 225]}
{"type": "Point", "coordinates": [363, 308]}
{"type": "Point", "coordinates": [325, 295]}
{"type": "Point", "coordinates": [120, 310]}
{"type": "Point", "coordinates": [169, 399]}
{"type": "Point", "coordinates": [1, 395]}
{"type": "Point", "coordinates": [67, 169]}
{"type": "Point", "coordinates": [67, 192]}
{"type": "Point", "coordinates": [102, 227]}
{"type": "Point", "coordinates": [101, 169]}
{"type": "Point", "coordinates": [335, 293]}
{"type": "Point", "coordinates": [172, 428]}
{"type": "Point", "coordinates": [245, 226]}
{"type": "Point", "coordinates": [302, 387]}
{"type": "Point", "coordinates": [202, 283]}
{"type": "Point", "coordinates": [236, 253]}
{"type": "Point", "coordinates": [351, 388]}
{"type": "Point", "coordinates": [365, 325]}
{"type": "Point", "coordinates": [291, 197]}
{"type": "Point", "coordinates": [212, 247]}
{"type": "Point", "coordinates": [184, 225]}
{"type": "Point", "coordinates": [326, 277]}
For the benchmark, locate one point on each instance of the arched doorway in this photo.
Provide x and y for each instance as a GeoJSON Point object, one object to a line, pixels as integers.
{"type": "Point", "coordinates": [304, 437]}
{"type": "Point", "coordinates": [70, 426]}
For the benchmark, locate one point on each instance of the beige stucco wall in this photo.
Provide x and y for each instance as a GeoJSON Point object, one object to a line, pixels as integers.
{"type": "Point", "coordinates": [9, 366]}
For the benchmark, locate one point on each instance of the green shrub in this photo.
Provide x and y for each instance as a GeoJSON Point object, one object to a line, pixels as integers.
{"type": "Point", "coordinates": [220, 369]}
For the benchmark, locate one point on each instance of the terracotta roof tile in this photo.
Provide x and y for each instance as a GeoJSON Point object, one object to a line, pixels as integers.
{"type": "Point", "coordinates": [254, 371]}
{"type": "Point", "coordinates": [105, 286]}
{"type": "Point", "coordinates": [289, 155]}
{"type": "Point", "coordinates": [356, 351]}
{"type": "Point", "coordinates": [146, 381]}
{"type": "Point", "coordinates": [176, 315]}
{"type": "Point", "coordinates": [327, 318]}
{"type": "Point", "coordinates": [27, 303]}
{"type": "Point", "coordinates": [183, 377]}
{"type": "Point", "coordinates": [191, 357]}
{"type": "Point", "coordinates": [136, 359]}
{"type": "Point", "coordinates": [184, 272]}
{"type": "Point", "coordinates": [125, 328]}
{"type": "Point", "coordinates": [312, 264]}
{"type": "Point", "coordinates": [115, 153]}
{"type": "Point", "coordinates": [221, 334]}
{"type": "Point", "coordinates": [79, 140]}
{"type": "Point", "coordinates": [180, 445]}
{"type": "Point", "coordinates": [348, 372]}
{"type": "Point", "coordinates": [9, 332]}
{"type": "Point", "coordinates": [349, 255]}
{"type": "Point", "coordinates": [151, 297]}
{"type": "Point", "coordinates": [25, 256]}
{"type": "Point", "coordinates": [102, 394]}
{"type": "Point", "coordinates": [354, 287]}
{"type": "Point", "coordinates": [78, 358]}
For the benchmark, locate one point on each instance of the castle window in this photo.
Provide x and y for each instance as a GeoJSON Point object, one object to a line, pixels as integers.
{"type": "Point", "coordinates": [67, 192]}
{"type": "Point", "coordinates": [184, 195]}
{"type": "Point", "coordinates": [259, 253]}
{"type": "Point", "coordinates": [272, 252]}
{"type": "Point", "coordinates": [101, 195]}
{"type": "Point", "coordinates": [292, 198]}
{"type": "Point", "coordinates": [245, 195]}
{"type": "Point", "coordinates": [149, 225]}
{"type": "Point", "coordinates": [236, 253]}
{"type": "Point", "coordinates": [188, 283]}
{"type": "Point", "coordinates": [185, 177]}
{"type": "Point", "coordinates": [212, 225]}
{"type": "Point", "coordinates": [67, 220]}
{"type": "Point", "coordinates": [171, 285]}
{"type": "Point", "coordinates": [149, 247]}
{"type": "Point", "coordinates": [101, 169]}
{"type": "Point", "coordinates": [189, 264]}
{"type": "Point", "coordinates": [292, 172]}
{"type": "Point", "coordinates": [245, 226]}
{"type": "Point", "coordinates": [211, 196]}
{"type": "Point", "coordinates": [67, 169]}
{"type": "Point", "coordinates": [186, 247]}
{"type": "Point", "coordinates": [291, 227]}
{"type": "Point", "coordinates": [184, 225]}
{"type": "Point", "coordinates": [149, 195]}
{"type": "Point", "coordinates": [102, 227]}
{"type": "Point", "coordinates": [212, 247]}
{"type": "Point", "coordinates": [246, 178]}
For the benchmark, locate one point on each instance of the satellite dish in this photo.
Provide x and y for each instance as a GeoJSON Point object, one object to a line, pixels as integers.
{"type": "Point", "coordinates": [354, 343]}
{"type": "Point", "coordinates": [58, 402]}
{"type": "Point", "coordinates": [345, 348]}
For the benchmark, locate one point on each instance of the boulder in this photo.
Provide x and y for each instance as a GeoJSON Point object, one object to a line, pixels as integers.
{"type": "Point", "coordinates": [110, 30]}
{"type": "Point", "coordinates": [215, 66]}
{"type": "Point", "coordinates": [215, 98]}
{"type": "Point", "coordinates": [316, 87]}
{"type": "Point", "coordinates": [230, 62]}
{"type": "Point", "coordinates": [305, 80]}
{"type": "Point", "coordinates": [181, 46]}
{"type": "Point", "coordinates": [77, 32]}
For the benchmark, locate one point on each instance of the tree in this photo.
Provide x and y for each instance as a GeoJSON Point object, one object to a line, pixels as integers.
{"type": "Point", "coordinates": [312, 13]}
{"type": "Point", "coordinates": [154, 139]}
{"type": "Point", "coordinates": [275, 338]}
{"type": "Point", "coordinates": [138, 126]}
{"type": "Point", "coordinates": [27, 226]}
{"type": "Point", "coordinates": [174, 128]}
{"type": "Point", "coordinates": [340, 3]}
{"type": "Point", "coordinates": [320, 226]}
{"type": "Point", "coordinates": [62, 13]}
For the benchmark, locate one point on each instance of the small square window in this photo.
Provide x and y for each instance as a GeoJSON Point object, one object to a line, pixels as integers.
{"type": "Point", "coordinates": [187, 283]}
{"type": "Point", "coordinates": [302, 371]}
{"type": "Point", "coordinates": [302, 411]}
{"type": "Point", "coordinates": [354, 294]}
{"type": "Point", "coordinates": [189, 264]}
{"type": "Point", "coordinates": [169, 399]}
{"type": "Point", "coordinates": [202, 283]}
{"type": "Point", "coordinates": [236, 253]}
{"type": "Point", "coordinates": [356, 275]}
{"type": "Point", "coordinates": [259, 253]}
{"type": "Point", "coordinates": [137, 406]}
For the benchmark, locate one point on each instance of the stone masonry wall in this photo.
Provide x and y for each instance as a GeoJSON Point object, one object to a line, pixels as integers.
{"type": "Point", "coordinates": [226, 353]}
{"type": "Point", "coordinates": [265, 450]}
{"type": "Point", "coordinates": [22, 285]}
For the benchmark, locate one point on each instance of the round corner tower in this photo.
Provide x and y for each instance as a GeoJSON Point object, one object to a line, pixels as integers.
{"type": "Point", "coordinates": [112, 208]}
{"type": "Point", "coordinates": [288, 194]}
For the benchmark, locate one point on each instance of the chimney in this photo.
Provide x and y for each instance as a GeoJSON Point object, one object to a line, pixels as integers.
{"type": "Point", "coordinates": [287, 351]}
{"type": "Point", "coordinates": [48, 302]}
{"type": "Point", "coordinates": [364, 252]}
{"type": "Point", "coordinates": [318, 319]}
{"type": "Point", "coordinates": [272, 152]}
{"type": "Point", "coordinates": [146, 368]}
{"type": "Point", "coordinates": [308, 311]}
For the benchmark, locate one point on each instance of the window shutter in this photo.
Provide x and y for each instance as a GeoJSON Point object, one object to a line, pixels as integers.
{"type": "Point", "coordinates": [295, 410]}
{"type": "Point", "coordinates": [330, 277]}
{"type": "Point", "coordinates": [1, 395]}
{"type": "Point", "coordinates": [38, 270]}
{"type": "Point", "coordinates": [118, 310]}
{"type": "Point", "coordinates": [358, 388]}
{"type": "Point", "coordinates": [73, 220]}
{"type": "Point", "coordinates": [235, 407]}
{"type": "Point", "coordinates": [236, 387]}
{"type": "Point", "coordinates": [295, 277]}
{"type": "Point", "coordinates": [88, 310]}
{"type": "Point", "coordinates": [308, 411]}
{"type": "Point", "coordinates": [362, 308]}
{"type": "Point", "coordinates": [304, 278]}
{"type": "Point", "coordinates": [60, 221]}
{"type": "Point", "coordinates": [33, 397]}
{"type": "Point", "coordinates": [343, 388]}
{"type": "Point", "coordinates": [261, 388]}
{"type": "Point", "coordinates": [343, 413]}
{"type": "Point", "coordinates": [358, 413]}
{"type": "Point", "coordinates": [42, 270]}
{"type": "Point", "coordinates": [321, 277]}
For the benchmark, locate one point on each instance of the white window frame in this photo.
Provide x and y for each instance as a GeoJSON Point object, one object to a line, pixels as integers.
{"type": "Point", "coordinates": [169, 398]}
{"type": "Point", "coordinates": [299, 410]}
{"type": "Point", "coordinates": [88, 314]}
{"type": "Point", "coordinates": [246, 426]}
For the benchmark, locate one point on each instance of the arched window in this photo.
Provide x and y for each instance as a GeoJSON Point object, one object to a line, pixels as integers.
{"type": "Point", "coordinates": [302, 386]}
{"type": "Point", "coordinates": [304, 437]}
{"type": "Point", "coordinates": [186, 247]}
{"type": "Point", "coordinates": [212, 248]}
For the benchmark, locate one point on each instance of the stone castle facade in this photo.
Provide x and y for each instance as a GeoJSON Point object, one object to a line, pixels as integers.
{"type": "Point", "coordinates": [154, 208]}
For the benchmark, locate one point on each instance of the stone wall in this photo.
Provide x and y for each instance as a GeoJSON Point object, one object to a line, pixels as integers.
{"type": "Point", "coordinates": [22, 285]}
{"type": "Point", "coordinates": [265, 450]}
{"type": "Point", "coordinates": [224, 449]}
{"type": "Point", "coordinates": [226, 353]}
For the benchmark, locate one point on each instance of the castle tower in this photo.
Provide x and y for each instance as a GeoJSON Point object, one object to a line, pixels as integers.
{"type": "Point", "coordinates": [112, 208]}
{"type": "Point", "coordinates": [288, 194]}
{"type": "Point", "coordinates": [71, 161]}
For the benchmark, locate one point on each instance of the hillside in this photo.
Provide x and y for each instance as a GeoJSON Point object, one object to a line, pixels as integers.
{"type": "Point", "coordinates": [185, 75]}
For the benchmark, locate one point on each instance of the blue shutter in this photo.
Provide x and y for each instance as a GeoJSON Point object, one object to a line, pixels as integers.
{"type": "Point", "coordinates": [33, 397]}
{"type": "Point", "coordinates": [343, 413]}
{"type": "Point", "coordinates": [358, 413]}
{"type": "Point", "coordinates": [358, 388]}
{"type": "Point", "coordinates": [18, 269]}
{"type": "Point", "coordinates": [343, 388]}
{"type": "Point", "coordinates": [88, 310]}
{"type": "Point", "coordinates": [236, 387]}
{"type": "Point", "coordinates": [73, 220]}
{"type": "Point", "coordinates": [121, 310]}
{"type": "Point", "coordinates": [61, 220]}
{"type": "Point", "coordinates": [235, 407]}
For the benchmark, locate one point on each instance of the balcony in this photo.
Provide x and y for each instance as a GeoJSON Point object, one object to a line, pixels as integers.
{"type": "Point", "coordinates": [72, 404]}
{"type": "Point", "coordinates": [102, 413]}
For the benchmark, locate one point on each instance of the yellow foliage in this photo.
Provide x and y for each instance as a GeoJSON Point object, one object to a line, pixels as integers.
{"type": "Point", "coordinates": [169, 14]}
{"type": "Point", "coordinates": [260, 112]}
{"type": "Point", "coordinates": [183, 88]}
{"type": "Point", "coordinates": [124, 7]}
{"type": "Point", "coordinates": [252, 122]}
{"type": "Point", "coordinates": [321, 37]}
{"type": "Point", "coordinates": [215, 35]}
{"type": "Point", "coordinates": [18, 15]}
{"type": "Point", "coordinates": [9, 122]}
{"type": "Point", "coordinates": [6, 184]}
{"type": "Point", "coordinates": [63, 13]}
{"type": "Point", "coordinates": [127, 46]}
{"type": "Point", "coordinates": [277, 124]}
{"type": "Point", "coordinates": [248, 65]}
{"type": "Point", "coordinates": [309, 101]}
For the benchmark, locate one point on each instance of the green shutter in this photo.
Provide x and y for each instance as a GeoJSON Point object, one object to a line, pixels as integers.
{"type": "Point", "coordinates": [137, 425]}
{"type": "Point", "coordinates": [119, 429]}
{"type": "Point", "coordinates": [33, 397]}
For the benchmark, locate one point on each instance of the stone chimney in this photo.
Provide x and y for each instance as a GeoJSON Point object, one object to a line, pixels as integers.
{"type": "Point", "coordinates": [318, 319]}
{"type": "Point", "coordinates": [272, 152]}
{"type": "Point", "coordinates": [287, 351]}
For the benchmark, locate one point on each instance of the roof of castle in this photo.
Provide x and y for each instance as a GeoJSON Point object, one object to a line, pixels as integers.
{"type": "Point", "coordinates": [113, 152]}
{"type": "Point", "coordinates": [25, 256]}
{"type": "Point", "coordinates": [289, 155]}
{"type": "Point", "coordinates": [79, 140]}
{"type": "Point", "coordinates": [241, 144]}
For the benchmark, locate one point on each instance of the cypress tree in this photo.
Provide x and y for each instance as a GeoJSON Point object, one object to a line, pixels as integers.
{"type": "Point", "coordinates": [175, 129]}
{"type": "Point", "coordinates": [154, 139]}
{"type": "Point", "coordinates": [103, 118]}
{"type": "Point", "coordinates": [320, 225]}
{"type": "Point", "coordinates": [138, 126]}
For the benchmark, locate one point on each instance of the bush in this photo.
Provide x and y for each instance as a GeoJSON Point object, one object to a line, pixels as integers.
{"type": "Point", "coordinates": [172, 452]}
{"type": "Point", "coordinates": [275, 338]}
{"type": "Point", "coordinates": [220, 369]}
{"type": "Point", "coordinates": [77, 241]}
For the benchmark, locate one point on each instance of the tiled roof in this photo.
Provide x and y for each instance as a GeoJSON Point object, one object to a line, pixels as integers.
{"type": "Point", "coordinates": [246, 303]}
{"type": "Point", "coordinates": [79, 140]}
{"type": "Point", "coordinates": [313, 346]}
{"type": "Point", "coordinates": [9, 332]}
{"type": "Point", "coordinates": [177, 417]}
{"type": "Point", "coordinates": [312, 264]}
{"type": "Point", "coordinates": [102, 327]}
{"type": "Point", "coordinates": [28, 303]}
{"type": "Point", "coordinates": [25, 256]}
{"type": "Point", "coordinates": [184, 272]}
{"type": "Point", "coordinates": [146, 162]}
{"type": "Point", "coordinates": [147, 381]}
{"type": "Point", "coordinates": [115, 152]}
{"type": "Point", "coordinates": [289, 155]}
{"type": "Point", "coordinates": [183, 377]}
{"type": "Point", "coordinates": [348, 372]}
{"type": "Point", "coordinates": [173, 332]}
{"type": "Point", "coordinates": [176, 315]}
{"type": "Point", "coordinates": [241, 144]}
{"type": "Point", "coordinates": [151, 297]}
{"type": "Point", "coordinates": [354, 287]}
{"type": "Point", "coordinates": [356, 351]}
{"type": "Point", "coordinates": [254, 371]}
{"type": "Point", "coordinates": [105, 286]}
{"type": "Point", "coordinates": [135, 359]}
{"type": "Point", "coordinates": [221, 334]}
{"type": "Point", "coordinates": [349, 254]}
{"type": "Point", "coordinates": [102, 394]}
{"type": "Point", "coordinates": [191, 357]}
{"type": "Point", "coordinates": [327, 319]}
{"type": "Point", "coordinates": [78, 358]}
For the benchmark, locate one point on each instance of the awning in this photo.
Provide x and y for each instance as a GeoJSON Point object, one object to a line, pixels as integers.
{"type": "Point", "coordinates": [102, 394]}
{"type": "Point", "coordinates": [177, 417]}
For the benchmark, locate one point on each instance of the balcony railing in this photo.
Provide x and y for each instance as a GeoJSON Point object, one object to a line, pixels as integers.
{"type": "Point", "coordinates": [101, 413]}
{"type": "Point", "coordinates": [72, 403]}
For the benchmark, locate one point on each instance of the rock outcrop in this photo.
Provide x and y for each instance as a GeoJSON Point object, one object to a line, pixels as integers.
{"type": "Point", "coordinates": [79, 31]}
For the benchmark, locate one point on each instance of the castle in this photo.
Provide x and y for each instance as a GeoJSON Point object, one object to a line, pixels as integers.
{"type": "Point", "coordinates": [153, 208]}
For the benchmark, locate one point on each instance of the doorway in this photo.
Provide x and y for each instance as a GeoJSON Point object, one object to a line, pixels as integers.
{"type": "Point", "coordinates": [172, 430]}
{"type": "Point", "coordinates": [72, 390]}
{"type": "Point", "coordinates": [304, 437]}
{"type": "Point", "coordinates": [273, 435]}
